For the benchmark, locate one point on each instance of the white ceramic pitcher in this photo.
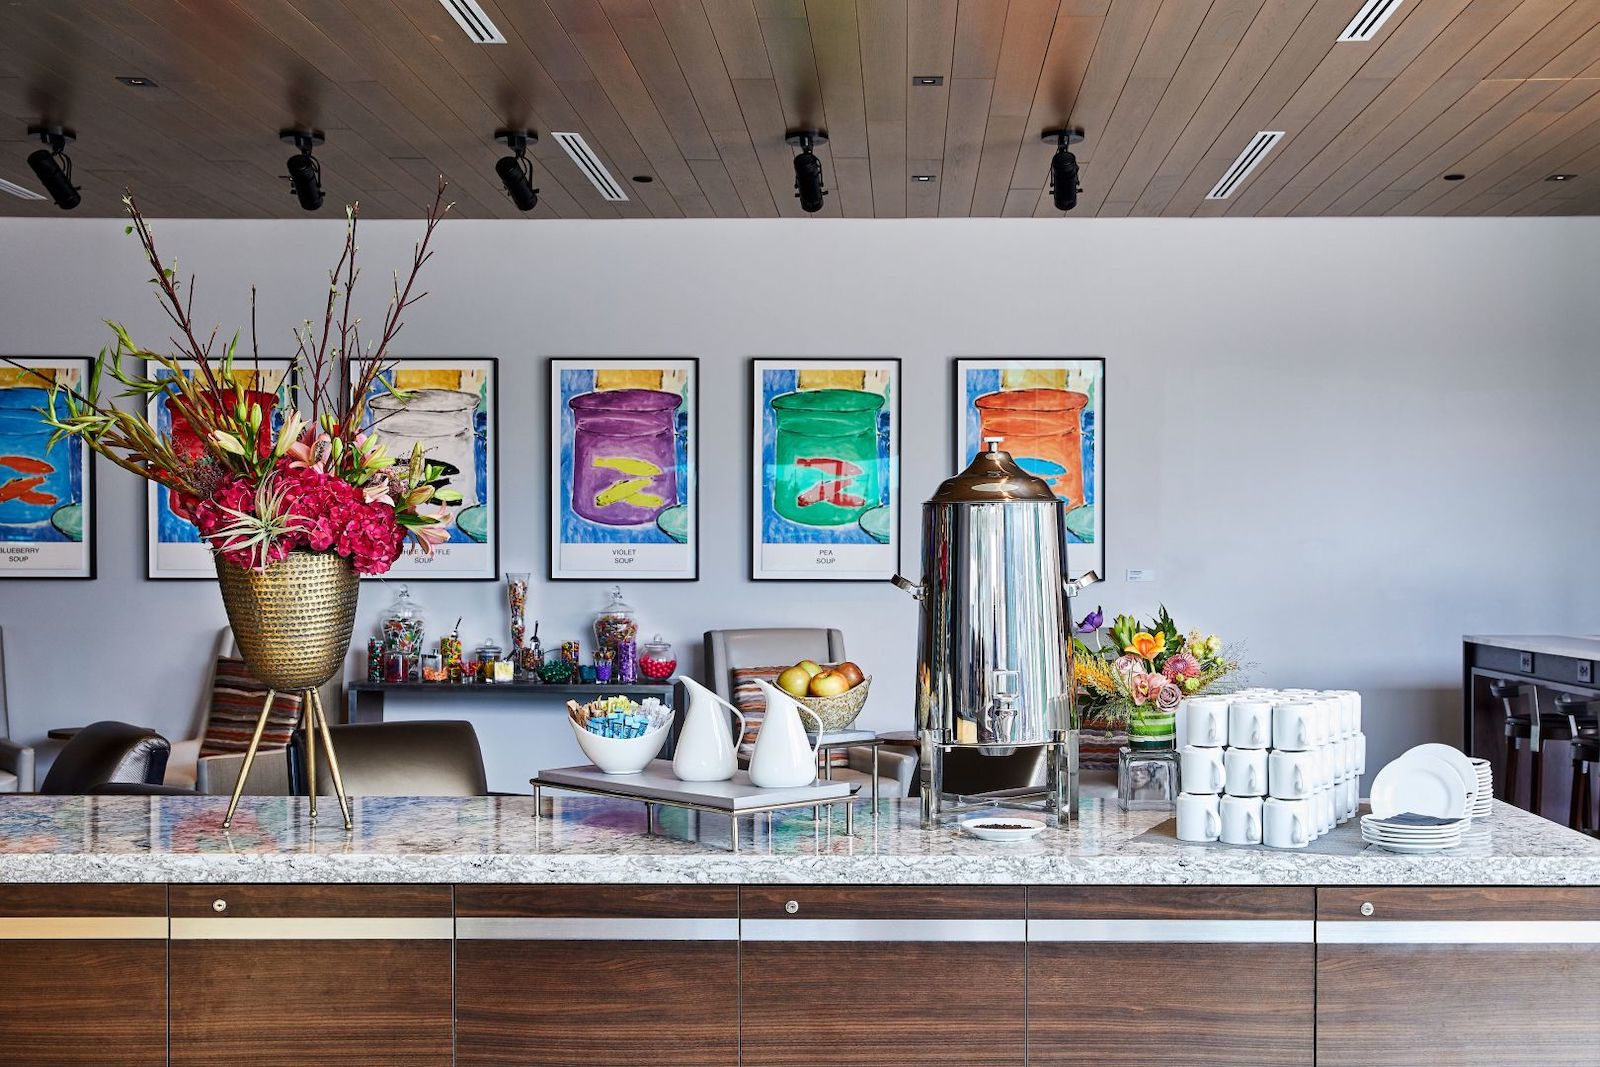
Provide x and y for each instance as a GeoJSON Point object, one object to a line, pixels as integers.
{"type": "Point", "coordinates": [706, 752]}
{"type": "Point", "coordinates": [784, 758]}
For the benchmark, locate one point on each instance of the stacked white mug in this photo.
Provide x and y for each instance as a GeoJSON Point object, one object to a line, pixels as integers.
{"type": "Point", "coordinates": [1275, 766]}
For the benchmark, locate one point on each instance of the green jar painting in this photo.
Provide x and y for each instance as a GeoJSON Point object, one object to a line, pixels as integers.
{"type": "Point", "coordinates": [826, 454]}
{"type": "Point", "coordinates": [826, 451]}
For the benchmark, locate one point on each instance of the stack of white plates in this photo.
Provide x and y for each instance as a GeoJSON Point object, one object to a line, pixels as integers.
{"type": "Point", "coordinates": [1412, 834]}
{"type": "Point", "coordinates": [1481, 804]}
{"type": "Point", "coordinates": [1432, 779]}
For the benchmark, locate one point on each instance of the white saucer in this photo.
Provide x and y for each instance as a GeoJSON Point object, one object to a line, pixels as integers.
{"type": "Point", "coordinates": [1420, 783]}
{"type": "Point", "coordinates": [984, 826]}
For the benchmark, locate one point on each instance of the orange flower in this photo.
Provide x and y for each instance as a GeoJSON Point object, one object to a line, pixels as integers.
{"type": "Point", "coordinates": [1148, 646]}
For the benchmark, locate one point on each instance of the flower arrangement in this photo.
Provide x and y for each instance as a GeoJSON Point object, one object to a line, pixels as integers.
{"type": "Point", "coordinates": [259, 484]}
{"type": "Point", "coordinates": [1135, 675]}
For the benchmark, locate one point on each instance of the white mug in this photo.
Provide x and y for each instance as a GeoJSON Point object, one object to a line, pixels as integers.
{"type": "Point", "coordinates": [1325, 773]}
{"type": "Point", "coordinates": [1349, 710]}
{"type": "Point", "coordinates": [1245, 771]}
{"type": "Point", "coordinates": [1286, 823]}
{"type": "Point", "coordinates": [1341, 758]}
{"type": "Point", "coordinates": [1324, 802]}
{"type": "Point", "coordinates": [1293, 724]}
{"type": "Point", "coordinates": [1360, 752]}
{"type": "Point", "coordinates": [1200, 770]}
{"type": "Point", "coordinates": [1344, 803]}
{"type": "Point", "coordinates": [1199, 817]}
{"type": "Point", "coordinates": [1241, 820]}
{"type": "Point", "coordinates": [1206, 721]}
{"type": "Point", "coordinates": [1250, 723]}
{"type": "Point", "coordinates": [1291, 775]}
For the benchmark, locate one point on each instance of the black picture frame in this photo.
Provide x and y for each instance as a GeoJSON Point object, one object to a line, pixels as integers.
{"type": "Point", "coordinates": [91, 534]}
{"type": "Point", "coordinates": [552, 467]}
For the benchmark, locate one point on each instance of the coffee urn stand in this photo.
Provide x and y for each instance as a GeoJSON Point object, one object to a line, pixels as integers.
{"type": "Point", "coordinates": [1058, 799]}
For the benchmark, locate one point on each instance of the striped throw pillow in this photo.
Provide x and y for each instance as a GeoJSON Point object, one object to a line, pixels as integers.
{"type": "Point", "coordinates": [748, 699]}
{"type": "Point", "coordinates": [236, 699]}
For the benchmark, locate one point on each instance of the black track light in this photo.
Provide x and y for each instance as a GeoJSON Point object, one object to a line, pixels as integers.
{"type": "Point", "coordinates": [1064, 188]}
{"type": "Point", "coordinates": [516, 170]}
{"type": "Point", "coordinates": [808, 184]}
{"type": "Point", "coordinates": [52, 167]}
{"type": "Point", "coordinates": [305, 173]}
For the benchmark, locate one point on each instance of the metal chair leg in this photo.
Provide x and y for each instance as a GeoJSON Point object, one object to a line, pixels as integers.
{"type": "Point", "coordinates": [249, 758]}
{"type": "Point", "coordinates": [1536, 780]}
{"type": "Point", "coordinates": [1579, 776]}
{"type": "Point", "coordinates": [1510, 783]}
{"type": "Point", "coordinates": [333, 760]}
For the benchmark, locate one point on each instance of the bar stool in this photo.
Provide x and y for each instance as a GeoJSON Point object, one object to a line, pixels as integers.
{"type": "Point", "coordinates": [1585, 726]}
{"type": "Point", "coordinates": [1518, 726]}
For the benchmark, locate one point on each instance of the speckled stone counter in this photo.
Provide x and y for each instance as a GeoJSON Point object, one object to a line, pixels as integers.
{"type": "Point", "coordinates": [498, 840]}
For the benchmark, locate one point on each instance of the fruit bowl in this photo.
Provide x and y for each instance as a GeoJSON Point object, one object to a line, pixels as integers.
{"type": "Point", "coordinates": [838, 712]}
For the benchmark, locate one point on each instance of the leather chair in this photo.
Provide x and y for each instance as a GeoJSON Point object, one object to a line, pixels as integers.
{"type": "Point", "coordinates": [142, 789]}
{"type": "Point", "coordinates": [399, 759]}
{"type": "Point", "coordinates": [16, 761]}
{"type": "Point", "coordinates": [107, 752]}
{"type": "Point", "coordinates": [727, 650]}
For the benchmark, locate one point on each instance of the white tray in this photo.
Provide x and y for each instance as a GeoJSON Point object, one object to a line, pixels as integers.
{"type": "Point", "coordinates": [657, 784]}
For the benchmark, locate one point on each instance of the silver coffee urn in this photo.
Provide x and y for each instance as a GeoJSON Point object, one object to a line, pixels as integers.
{"type": "Point", "coordinates": [994, 651]}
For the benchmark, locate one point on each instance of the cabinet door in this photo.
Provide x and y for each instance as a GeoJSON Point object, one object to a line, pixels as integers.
{"type": "Point", "coordinates": [1464, 977]}
{"type": "Point", "coordinates": [283, 976]}
{"type": "Point", "coordinates": [84, 972]}
{"type": "Point", "coordinates": [889, 976]}
{"type": "Point", "coordinates": [1198, 976]}
{"type": "Point", "coordinates": [643, 976]}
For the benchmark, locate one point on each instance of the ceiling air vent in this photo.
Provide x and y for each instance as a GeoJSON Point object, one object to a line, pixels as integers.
{"type": "Point", "coordinates": [474, 21]}
{"type": "Point", "coordinates": [576, 147]}
{"type": "Point", "coordinates": [1369, 20]}
{"type": "Point", "coordinates": [1253, 153]}
{"type": "Point", "coordinates": [19, 190]}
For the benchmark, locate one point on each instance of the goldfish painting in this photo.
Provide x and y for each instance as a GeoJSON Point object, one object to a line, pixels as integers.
{"type": "Point", "coordinates": [45, 521]}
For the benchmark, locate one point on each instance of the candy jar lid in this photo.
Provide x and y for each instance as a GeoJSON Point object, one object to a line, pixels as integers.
{"type": "Point", "coordinates": [658, 648]}
{"type": "Point", "coordinates": [618, 606]}
{"type": "Point", "coordinates": [404, 607]}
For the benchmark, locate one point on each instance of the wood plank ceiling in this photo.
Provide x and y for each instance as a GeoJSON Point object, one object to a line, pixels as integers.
{"type": "Point", "coordinates": [696, 95]}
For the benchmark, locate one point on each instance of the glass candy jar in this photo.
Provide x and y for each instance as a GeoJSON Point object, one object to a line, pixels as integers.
{"type": "Point", "coordinates": [657, 662]}
{"type": "Point", "coordinates": [616, 623]}
{"type": "Point", "coordinates": [402, 625]}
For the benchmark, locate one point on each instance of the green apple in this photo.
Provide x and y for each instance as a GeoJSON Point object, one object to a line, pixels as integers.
{"type": "Point", "coordinates": [811, 667]}
{"type": "Point", "coordinates": [829, 684]}
{"type": "Point", "coordinates": [794, 681]}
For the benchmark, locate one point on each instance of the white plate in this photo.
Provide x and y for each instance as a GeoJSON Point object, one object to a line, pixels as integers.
{"type": "Point", "coordinates": [1457, 759]}
{"type": "Point", "coordinates": [1409, 850]}
{"type": "Point", "coordinates": [1421, 784]}
{"type": "Point", "coordinates": [978, 826]}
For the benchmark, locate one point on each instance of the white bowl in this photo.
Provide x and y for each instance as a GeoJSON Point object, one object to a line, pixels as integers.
{"type": "Point", "coordinates": [620, 755]}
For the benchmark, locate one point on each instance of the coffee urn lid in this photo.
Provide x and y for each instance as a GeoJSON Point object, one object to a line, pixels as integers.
{"type": "Point", "coordinates": [993, 476]}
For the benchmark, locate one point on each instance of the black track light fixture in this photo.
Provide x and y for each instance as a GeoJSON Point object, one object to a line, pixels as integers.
{"type": "Point", "coordinates": [808, 184]}
{"type": "Point", "coordinates": [515, 170]}
{"type": "Point", "coordinates": [52, 167]}
{"type": "Point", "coordinates": [1064, 188]}
{"type": "Point", "coordinates": [305, 173]}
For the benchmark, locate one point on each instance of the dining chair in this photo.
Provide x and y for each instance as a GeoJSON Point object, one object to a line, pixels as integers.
{"type": "Point", "coordinates": [16, 761]}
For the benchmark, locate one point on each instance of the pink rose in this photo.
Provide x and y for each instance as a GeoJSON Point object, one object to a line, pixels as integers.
{"type": "Point", "coordinates": [1169, 697]}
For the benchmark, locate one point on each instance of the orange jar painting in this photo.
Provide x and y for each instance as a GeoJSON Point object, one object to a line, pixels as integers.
{"type": "Point", "coordinates": [1041, 428]}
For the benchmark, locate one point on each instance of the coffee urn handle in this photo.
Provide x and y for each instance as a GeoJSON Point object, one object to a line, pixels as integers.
{"type": "Point", "coordinates": [916, 589]}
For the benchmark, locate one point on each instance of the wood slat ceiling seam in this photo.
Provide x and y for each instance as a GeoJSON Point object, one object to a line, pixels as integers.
{"type": "Point", "coordinates": [698, 94]}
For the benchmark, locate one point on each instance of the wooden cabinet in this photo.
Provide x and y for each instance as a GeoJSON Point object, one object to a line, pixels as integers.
{"type": "Point", "coordinates": [1196, 976]}
{"type": "Point", "coordinates": [604, 976]}
{"type": "Point", "coordinates": [867, 976]}
{"type": "Point", "coordinates": [83, 970]}
{"type": "Point", "coordinates": [283, 976]}
{"type": "Point", "coordinates": [1500, 977]}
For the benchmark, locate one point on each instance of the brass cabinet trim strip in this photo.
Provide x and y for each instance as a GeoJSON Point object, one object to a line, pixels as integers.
{"type": "Point", "coordinates": [1212, 931]}
{"type": "Point", "coordinates": [361, 928]}
{"type": "Point", "coordinates": [549, 928]}
{"type": "Point", "coordinates": [84, 928]}
{"type": "Point", "coordinates": [1460, 932]}
{"type": "Point", "coordinates": [884, 929]}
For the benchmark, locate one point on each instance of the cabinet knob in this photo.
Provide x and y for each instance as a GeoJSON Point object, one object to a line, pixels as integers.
{"type": "Point", "coordinates": [219, 905]}
{"type": "Point", "coordinates": [1367, 908]}
{"type": "Point", "coordinates": [791, 906]}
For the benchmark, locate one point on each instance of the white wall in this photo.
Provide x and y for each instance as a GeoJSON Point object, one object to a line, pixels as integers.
{"type": "Point", "coordinates": [1344, 442]}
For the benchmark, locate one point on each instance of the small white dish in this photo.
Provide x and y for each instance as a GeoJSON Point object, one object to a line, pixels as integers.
{"type": "Point", "coordinates": [1002, 827]}
{"type": "Point", "coordinates": [1423, 784]}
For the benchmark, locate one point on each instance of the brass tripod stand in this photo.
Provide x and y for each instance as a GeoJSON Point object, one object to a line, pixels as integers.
{"type": "Point", "coordinates": [313, 721]}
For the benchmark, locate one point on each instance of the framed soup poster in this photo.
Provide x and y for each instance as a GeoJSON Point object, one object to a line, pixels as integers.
{"type": "Point", "coordinates": [173, 547]}
{"type": "Point", "coordinates": [624, 442]}
{"type": "Point", "coordinates": [1049, 414]}
{"type": "Point", "coordinates": [826, 467]}
{"type": "Point", "coordinates": [450, 406]}
{"type": "Point", "coordinates": [46, 491]}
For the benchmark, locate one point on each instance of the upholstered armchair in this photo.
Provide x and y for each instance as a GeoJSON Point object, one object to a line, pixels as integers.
{"type": "Point", "coordinates": [16, 761]}
{"type": "Point", "coordinates": [730, 651]}
{"type": "Point", "coordinates": [216, 774]}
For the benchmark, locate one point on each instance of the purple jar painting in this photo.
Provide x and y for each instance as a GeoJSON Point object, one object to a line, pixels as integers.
{"type": "Point", "coordinates": [623, 481]}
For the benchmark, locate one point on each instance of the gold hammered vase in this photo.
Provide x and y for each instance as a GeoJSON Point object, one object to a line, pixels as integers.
{"type": "Point", "coordinates": [292, 620]}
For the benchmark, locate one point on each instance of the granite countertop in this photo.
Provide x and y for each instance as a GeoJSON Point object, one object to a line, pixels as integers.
{"type": "Point", "coordinates": [1587, 647]}
{"type": "Point", "coordinates": [496, 839]}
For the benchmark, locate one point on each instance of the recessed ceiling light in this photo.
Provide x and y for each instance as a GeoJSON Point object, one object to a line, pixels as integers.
{"type": "Point", "coordinates": [137, 82]}
{"type": "Point", "coordinates": [1561, 177]}
{"type": "Point", "coordinates": [922, 177]}
{"type": "Point", "coordinates": [1248, 160]}
{"type": "Point", "coordinates": [1369, 20]}
{"type": "Point", "coordinates": [578, 150]}
{"type": "Point", "coordinates": [21, 191]}
{"type": "Point", "coordinates": [927, 79]}
{"type": "Point", "coordinates": [642, 179]}
{"type": "Point", "coordinates": [1455, 177]}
